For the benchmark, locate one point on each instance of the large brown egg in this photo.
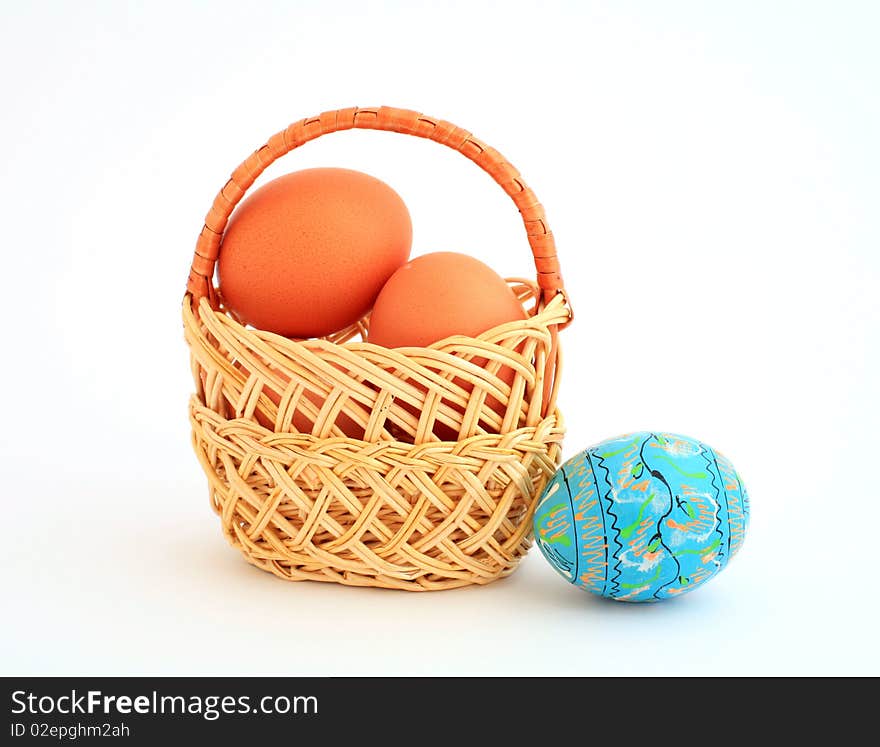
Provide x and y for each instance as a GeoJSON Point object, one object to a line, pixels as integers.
{"type": "Point", "coordinates": [307, 254]}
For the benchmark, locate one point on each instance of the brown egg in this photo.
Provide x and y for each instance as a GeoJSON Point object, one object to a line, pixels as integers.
{"type": "Point", "coordinates": [307, 254]}
{"type": "Point", "coordinates": [439, 295]}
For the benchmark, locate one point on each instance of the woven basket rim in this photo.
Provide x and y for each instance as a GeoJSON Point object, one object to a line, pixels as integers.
{"type": "Point", "coordinates": [544, 315]}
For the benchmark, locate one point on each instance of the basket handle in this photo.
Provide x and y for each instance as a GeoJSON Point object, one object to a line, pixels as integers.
{"type": "Point", "coordinates": [200, 283]}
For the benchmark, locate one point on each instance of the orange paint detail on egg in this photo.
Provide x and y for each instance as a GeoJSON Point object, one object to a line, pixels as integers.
{"type": "Point", "coordinates": [307, 254]}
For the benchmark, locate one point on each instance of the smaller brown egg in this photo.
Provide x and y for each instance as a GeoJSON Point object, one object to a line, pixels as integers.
{"type": "Point", "coordinates": [440, 295]}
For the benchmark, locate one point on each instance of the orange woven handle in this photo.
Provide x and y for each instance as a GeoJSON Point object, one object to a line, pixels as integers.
{"type": "Point", "coordinates": [201, 274]}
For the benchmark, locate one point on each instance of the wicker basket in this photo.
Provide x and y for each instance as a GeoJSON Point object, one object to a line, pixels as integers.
{"type": "Point", "coordinates": [399, 508]}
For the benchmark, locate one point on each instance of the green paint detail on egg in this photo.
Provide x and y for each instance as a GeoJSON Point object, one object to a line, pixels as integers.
{"type": "Point", "coordinates": [637, 584]}
{"type": "Point", "coordinates": [628, 445]}
{"type": "Point", "coordinates": [697, 475]}
{"type": "Point", "coordinates": [628, 531]}
{"type": "Point", "coordinates": [703, 551]}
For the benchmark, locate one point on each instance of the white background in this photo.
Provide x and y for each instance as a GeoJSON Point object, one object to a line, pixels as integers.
{"type": "Point", "coordinates": [710, 171]}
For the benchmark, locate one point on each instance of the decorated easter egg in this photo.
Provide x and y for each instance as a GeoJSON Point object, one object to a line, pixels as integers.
{"type": "Point", "coordinates": [307, 254]}
{"type": "Point", "coordinates": [643, 517]}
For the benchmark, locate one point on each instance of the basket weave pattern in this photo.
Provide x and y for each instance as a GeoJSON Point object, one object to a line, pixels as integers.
{"type": "Point", "coordinates": [396, 506]}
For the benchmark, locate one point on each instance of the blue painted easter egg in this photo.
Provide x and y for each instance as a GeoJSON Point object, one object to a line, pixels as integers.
{"type": "Point", "coordinates": [643, 517]}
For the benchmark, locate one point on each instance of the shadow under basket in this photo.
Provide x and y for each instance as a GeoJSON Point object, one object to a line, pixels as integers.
{"type": "Point", "coordinates": [338, 460]}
